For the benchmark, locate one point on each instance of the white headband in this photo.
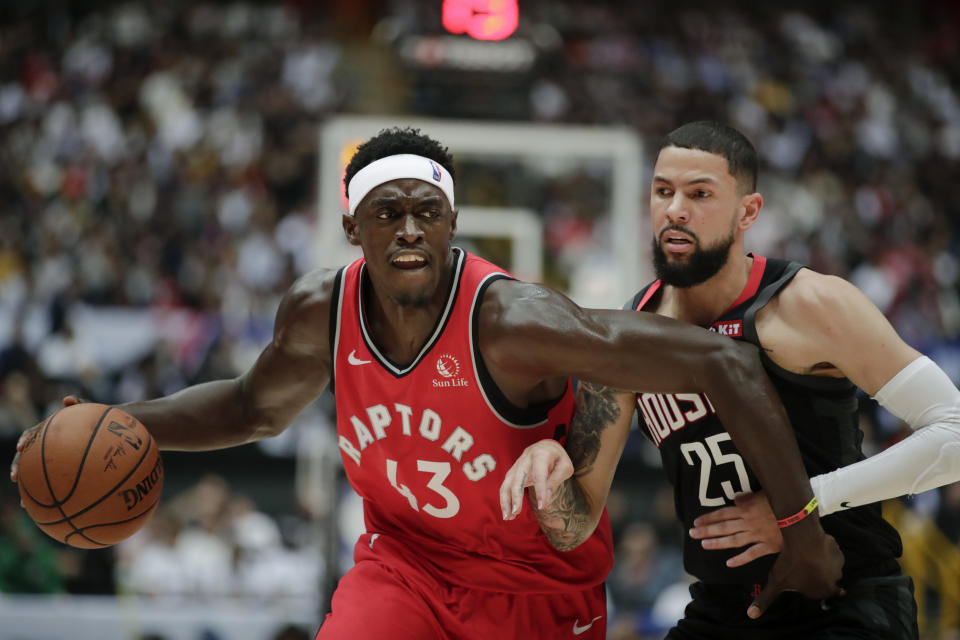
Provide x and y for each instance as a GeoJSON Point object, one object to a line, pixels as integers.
{"type": "Point", "coordinates": [404, 165]}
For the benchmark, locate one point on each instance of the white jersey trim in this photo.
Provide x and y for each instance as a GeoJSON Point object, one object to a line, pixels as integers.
{"type": "Point", "coordinates": [342, 277]}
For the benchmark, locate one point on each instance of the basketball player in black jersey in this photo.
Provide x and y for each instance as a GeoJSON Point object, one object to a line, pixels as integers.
{"type": "Point", "coordinates": [820, 337]}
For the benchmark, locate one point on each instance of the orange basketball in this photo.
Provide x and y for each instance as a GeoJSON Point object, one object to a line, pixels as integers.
{"type": "Point", "coordinates": [91, 476]}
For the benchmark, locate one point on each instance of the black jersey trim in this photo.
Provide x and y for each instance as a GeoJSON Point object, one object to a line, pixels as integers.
{"type": "Point", "coordinates": [763, 297]}
{"type": "Point", "coordinates": [514, 416]}
{"type": "Point", "coordinates": [750, 334]}
{"type": "Point", "coordinates": [631, 304]}
{"type": "Point", "coordinates": [336, 298]}
{"type": "Point", "coordinates": [644, 296]}
{"type": "Point", "coordinates": [438, 327]}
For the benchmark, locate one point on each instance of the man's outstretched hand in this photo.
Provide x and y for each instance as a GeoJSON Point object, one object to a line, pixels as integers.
{"type": "Point", "coordinates": [31, 433]}
{"type": "Point", "coordinates": [748, 523]}
{"type": "Point", "coordinates": [543, 465]}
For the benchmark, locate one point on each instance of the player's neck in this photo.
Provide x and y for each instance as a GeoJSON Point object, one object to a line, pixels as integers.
{"type": "Point", "coordinates": [401, 330]}
{"type": "Point", "coordinates": [705, 302]}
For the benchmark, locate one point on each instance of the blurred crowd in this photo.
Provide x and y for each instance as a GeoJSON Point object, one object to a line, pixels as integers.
{"type": "Point", "coordinates": [854, 109]}
{"type": "Point", "coordinates": [158, 172]}
{"type": "Point", "coordinates": [206, 542]}
{"type": "Point", "coordinates": [211, 542]}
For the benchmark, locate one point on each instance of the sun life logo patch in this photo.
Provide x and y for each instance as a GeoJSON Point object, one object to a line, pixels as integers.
{"type": "Point", "coordinates": [449, 369]}
{"type": "Point", "coordinates": [448, 366]}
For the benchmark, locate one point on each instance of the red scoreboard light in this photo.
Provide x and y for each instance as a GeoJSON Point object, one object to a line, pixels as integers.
{"type": "Point", "coordinates": [481, 19]}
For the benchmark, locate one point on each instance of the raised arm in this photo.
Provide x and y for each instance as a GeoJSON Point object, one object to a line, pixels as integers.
{"type": "Point", "coordinates": [825, 323]}
{"type": "Point", "coordinates": [289, 374]}
{"type": "Point", "coordinates": [531, 334]}
{"type": "Point", "coordinates": [840, 326]}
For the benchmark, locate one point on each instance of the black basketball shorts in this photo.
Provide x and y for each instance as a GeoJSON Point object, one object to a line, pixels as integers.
{"type": "Point", "coordinates": [876, 608]}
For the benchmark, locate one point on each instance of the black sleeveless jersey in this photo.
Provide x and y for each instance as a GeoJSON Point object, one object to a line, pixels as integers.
{"type": "Point", "coordinates": [707, 471]}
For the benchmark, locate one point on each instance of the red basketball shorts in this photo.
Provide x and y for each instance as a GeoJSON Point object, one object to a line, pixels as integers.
{"type": "Point", "coordinates": [386, 596]}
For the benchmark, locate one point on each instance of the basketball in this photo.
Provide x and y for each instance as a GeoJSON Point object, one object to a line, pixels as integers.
{"type": "Point", "coordinates": [91, 476]}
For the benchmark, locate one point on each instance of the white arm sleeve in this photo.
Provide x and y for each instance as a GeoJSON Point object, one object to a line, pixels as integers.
{"type": "Point", "coordinates": [923, 396]}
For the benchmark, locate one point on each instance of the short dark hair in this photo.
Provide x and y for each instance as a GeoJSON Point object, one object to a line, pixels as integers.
{"type": "Point", "coordinates": [395, 141]}
{"type": "Point", "coordinates": [722, 140]}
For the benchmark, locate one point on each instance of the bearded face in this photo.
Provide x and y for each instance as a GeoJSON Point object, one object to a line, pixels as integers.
{"type": "Point", "coordinates": [696, 266]}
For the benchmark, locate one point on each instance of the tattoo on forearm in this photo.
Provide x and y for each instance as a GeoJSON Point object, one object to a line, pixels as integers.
{"type": "Point", "coordinates": [597, 409]}
{"type": "Point", "coordinates": [566, 520]}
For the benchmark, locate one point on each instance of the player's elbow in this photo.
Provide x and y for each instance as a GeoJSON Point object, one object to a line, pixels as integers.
{"type": "Point", "coordinates": [267, 423]}
{"type": "Point", "coordinates": [265, 428]}
{"type": "Point", "coordinates": [568, 525]}
{"type": "Point", "coordinates": [568, 540]}
{"type": "Point", "coordinates": [566, 543]}
{"type": "Point", "coordinates": [257, 420]}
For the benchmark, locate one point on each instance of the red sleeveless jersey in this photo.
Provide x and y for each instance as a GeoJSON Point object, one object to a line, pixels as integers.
{"type": "Point", "coordinates": [426, 445]}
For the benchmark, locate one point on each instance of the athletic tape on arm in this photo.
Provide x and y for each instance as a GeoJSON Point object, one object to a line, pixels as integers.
{"type": "Point", "coordinates": [924, 397]}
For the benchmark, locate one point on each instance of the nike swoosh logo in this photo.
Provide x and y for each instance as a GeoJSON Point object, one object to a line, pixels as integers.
{"type": "Point", "coordinates": [577, 629]}
{"type": "Point", "coordinates": [353, 359]}
{"type": "Point", "coordinates": [846, 505]}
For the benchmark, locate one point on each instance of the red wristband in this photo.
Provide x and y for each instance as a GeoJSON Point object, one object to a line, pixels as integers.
{"type": "Point", "coordinates": [799, 515]}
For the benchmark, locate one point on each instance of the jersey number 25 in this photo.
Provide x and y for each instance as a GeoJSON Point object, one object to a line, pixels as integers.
{"type": "Point", "coordinates": [710, 455]}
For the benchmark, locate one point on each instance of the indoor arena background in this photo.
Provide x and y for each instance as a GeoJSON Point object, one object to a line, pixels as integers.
{"type": "Point", "coordinates": [168, 168]}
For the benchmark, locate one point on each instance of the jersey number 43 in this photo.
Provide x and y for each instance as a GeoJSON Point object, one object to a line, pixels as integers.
{"type": "Point", "coordinates": [438, 473]}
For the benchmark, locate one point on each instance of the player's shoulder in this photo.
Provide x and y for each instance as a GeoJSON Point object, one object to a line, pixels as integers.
{"type": "Point", "coordinates": [513, 304]}
{"type": "Point", "coordinates": [519, 328]}
{"type": "Point", "coordinates": [314, 287]}
{"type": "Point", "coordinates": [310, 295]}
{"type": "Point", "coordinates": [303, 318]}
{"type": "Point", "coordinates": [812, 294]}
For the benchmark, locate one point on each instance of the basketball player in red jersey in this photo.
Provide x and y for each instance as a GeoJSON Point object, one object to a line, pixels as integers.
{"type": "Point", "coordinates": [444, 369]}
{"type": "Point", "coordinates": [820, 337]}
